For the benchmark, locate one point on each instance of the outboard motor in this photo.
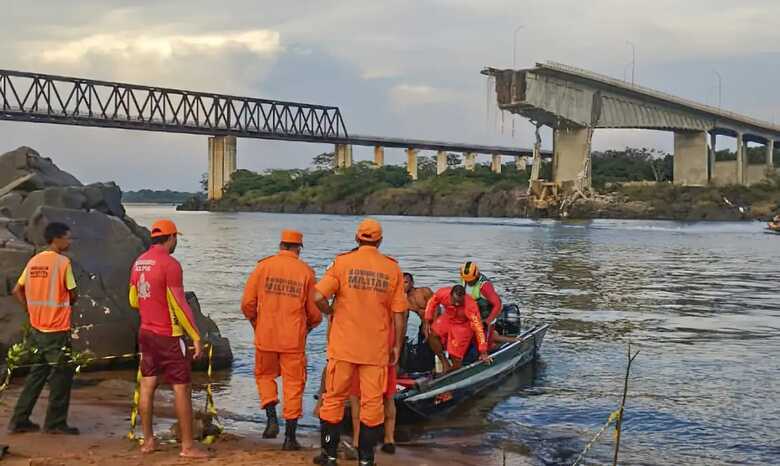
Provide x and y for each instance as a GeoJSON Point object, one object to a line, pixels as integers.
{"type": "Point", "coordinates": [509, 322]}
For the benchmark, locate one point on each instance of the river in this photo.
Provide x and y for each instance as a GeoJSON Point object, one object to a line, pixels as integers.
{"type": "Point", "coordinates": [700, 301]}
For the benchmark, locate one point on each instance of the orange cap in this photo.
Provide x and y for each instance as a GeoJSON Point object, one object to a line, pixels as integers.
{"type": "Point", "coordinates": [369, 230]}
{"type": "Point", "coordinates": [164, 227]}
{"type": "Point", "coordinates": [292, 237]}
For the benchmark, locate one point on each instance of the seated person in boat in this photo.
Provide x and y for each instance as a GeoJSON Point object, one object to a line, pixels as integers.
{"type": "Point", "coordinates": [455, 327]}
{"type": "Point", "coordinates": [417, 297]}
{"type": "Point", "coordinates": [775, 223]}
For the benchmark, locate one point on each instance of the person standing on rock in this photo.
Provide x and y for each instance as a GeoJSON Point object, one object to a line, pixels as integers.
{"type": "Point", "coordinates": [279, 302]}
{"type": "Point", "coordinates": [370, 300]}
{"type": "Point", "coordinates": [47, 290]}
{"type": "Point", "coordinates": [157, 291]}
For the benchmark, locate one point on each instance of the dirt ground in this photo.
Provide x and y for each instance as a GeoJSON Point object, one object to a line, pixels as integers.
{"type": "Point", "coordinates": [101, 411]}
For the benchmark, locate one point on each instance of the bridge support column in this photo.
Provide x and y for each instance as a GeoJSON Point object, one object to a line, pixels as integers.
{"type": "Point", "coordinates": [441, 162]}
{"type": "Point", "coordinates": [691, 157]}
{"type": "Point", "coordinates": [411, 162]}
{"type": "Point", "coordinates": [222, 164]}
{"type": "Point", "coordinates": [343, 156]}
{"type": "Point", "coordinates": [521, 163]}
{"type": "Point", "coordinates": [741, 160]}
{"type": "Point", "coordinates": [570, 147]}
{"type": "Point", "coordinates": [770, 154]}
{"type": "Point", "coordinates": [713, 140]}
{"type": "Point", "coordinates": [470, 161]}
{"type": "Point", "coordinates": [379, 156]}
{"type": "Point", "coordinates": [495, 163]}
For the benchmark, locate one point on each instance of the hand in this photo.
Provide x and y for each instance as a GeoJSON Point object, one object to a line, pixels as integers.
{"type": "Point", "coordinates": [484, 357]}
{"type": "Point", "coordinates": [426, 329]}
{"type": "Point", "coordinates": [253, 322]}
{"type": "Point", "coordinates": [198, 350]}
{"type": "Point", "coordinates": [395, 354]}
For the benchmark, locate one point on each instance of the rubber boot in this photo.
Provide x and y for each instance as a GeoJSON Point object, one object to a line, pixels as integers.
{"type": "Point", "coordinates": [271, 423]}
{"type": "Point", "coordinates": [330, 434]}
{"type": "Point", "coordinates": [369, 437]}
{"type": "Point", "coordinates": [290, 442]}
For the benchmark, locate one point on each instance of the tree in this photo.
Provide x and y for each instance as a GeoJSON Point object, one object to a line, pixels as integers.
{"type": "Point", "coordinates": [324, 161]}
{"type": "Point", "coordinates": [204, 182]}
{"type": "Point", "coordinates": [453, 160]}
{"type": "Point", "coordinates": [426, 167]}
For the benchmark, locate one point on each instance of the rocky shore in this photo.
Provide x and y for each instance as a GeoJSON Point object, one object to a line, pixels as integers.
{"type": "Point", "coordinates": [34, 192]}
{"type": "Point", "coordinates": [664, 202]}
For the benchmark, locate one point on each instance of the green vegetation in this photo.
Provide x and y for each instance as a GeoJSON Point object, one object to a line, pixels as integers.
{"type": "Point", "coordinates": [364, 188]}
{"type": "Point", "coordinates": [156, 197]}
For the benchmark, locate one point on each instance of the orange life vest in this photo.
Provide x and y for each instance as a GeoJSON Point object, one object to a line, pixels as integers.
{"type": "Point", "coordinates": [48, 299]}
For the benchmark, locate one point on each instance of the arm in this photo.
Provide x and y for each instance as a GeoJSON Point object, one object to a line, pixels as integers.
{"type": "Point", "coordinates": [313, 313]}
{"type": "Point", "coordinates": [133, 292]}
{"type": "Point", "coordinates": [472, 313]}
{"type": "Point", "coordinates": [70, 284]}
{"type": "Point", "coordinates": [326, 288]}
{"type": "Point", "coordinates": [249, 300]}
{"type": "Point", "coordinates": [178, 304]}
{"type": "Point", "coordinates": [490, 294]}
{"type": "Point", "coordinates": [18, 293]}
{"type": "Point", "coordinates": [399, 307]}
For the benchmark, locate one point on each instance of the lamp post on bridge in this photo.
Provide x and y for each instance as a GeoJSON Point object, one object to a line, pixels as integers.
{"type": "Point", "coordinates": [720, 88]}
{"type": "Point", "coordinates": [633, 60]}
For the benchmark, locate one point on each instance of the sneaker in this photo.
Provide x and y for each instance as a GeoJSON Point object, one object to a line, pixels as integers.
{"type": "Point", "coordinates": [62, 430]}
{"type": "Point", "coordinates": [23, 427]}
{"type": "Point", "coordinates": [389, 448]}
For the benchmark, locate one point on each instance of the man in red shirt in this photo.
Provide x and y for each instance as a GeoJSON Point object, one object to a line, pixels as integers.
{"type": "Point", "coordinates": [157, 291]}
{"type": "Point", "coordinates": [455, 327]}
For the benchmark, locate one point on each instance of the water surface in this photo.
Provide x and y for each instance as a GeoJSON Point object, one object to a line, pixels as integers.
{"type": "Point", "coordinates": [700, 301]}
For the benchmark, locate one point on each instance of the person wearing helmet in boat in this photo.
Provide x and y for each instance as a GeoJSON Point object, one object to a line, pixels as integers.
{"type": "Point", "coordinates": [479, 287]}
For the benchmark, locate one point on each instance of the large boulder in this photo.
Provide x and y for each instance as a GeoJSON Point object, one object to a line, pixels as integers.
{"type": "Point", "coordinates": [24, 162]}
{"type": "Point", "coordinates": [34, 193]}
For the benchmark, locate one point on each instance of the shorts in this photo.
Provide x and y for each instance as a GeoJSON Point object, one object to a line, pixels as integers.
{"type": "Point", "coordinates": [455, 336]}
{"type": "Point", "coordinates": [390, 387]}
{"type": "Point", "coordinates": [164, 356]}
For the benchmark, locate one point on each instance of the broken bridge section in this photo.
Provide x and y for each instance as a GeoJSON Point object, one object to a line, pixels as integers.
{"type": "Point", "coordinates": [574, 102]}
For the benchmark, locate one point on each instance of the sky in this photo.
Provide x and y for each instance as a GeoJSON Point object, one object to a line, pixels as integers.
{"type": "Point", "coordinates": [406, 68]}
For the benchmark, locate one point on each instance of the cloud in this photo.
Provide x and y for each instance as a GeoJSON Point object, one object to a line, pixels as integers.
{"type": "Point", "coordinates": [127, 45]}
{"type": "Point", "coordinates": [405, 95]}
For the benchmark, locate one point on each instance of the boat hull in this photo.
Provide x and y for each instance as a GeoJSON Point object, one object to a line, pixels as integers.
{"type": "Point", "coordinates": [440, 396]}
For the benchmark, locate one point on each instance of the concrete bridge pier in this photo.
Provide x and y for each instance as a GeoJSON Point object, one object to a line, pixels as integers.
{"type": "Point", "coordinates": [711, 166]}
{"type": "Point", "coordinates": [470, 161]}
{"type": "Point", "coordinates": [222, 164]}
{"type": "Point", "coordinates": [741, 160]}
{"type": "Point", "coordinates": [343, 156]}
{"type": "Point", "coordinates": [495, 163]}
{"type": "Point", "coordinates": [521, 163]}
{"type": "Point", "coordinates": [411, 162]}
{"type": "Point", "coordinates": [570, 147]}
{"type": "Point", "coordinates": [441, 162]}
{"type": "Point", "coordinates": [691, 158]}
{"type": "Point", "coordinates": [770, 154]}
{"type": "Point", "coordinates": [379, 156]}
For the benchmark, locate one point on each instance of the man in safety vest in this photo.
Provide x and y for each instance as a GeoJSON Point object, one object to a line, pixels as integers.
{"type": "Point", "coordinates": [370, 301]}
{"type": "Point", "coordinates": [455, 327]}
{"type": "Point", "coordinates": [479, 287]}
{"type": "Point", "coordinates": [47, 290]}
{"type": "Point", "coordinates": [279, 302]}
{"type": "Point", "coordinates": [157, 291]}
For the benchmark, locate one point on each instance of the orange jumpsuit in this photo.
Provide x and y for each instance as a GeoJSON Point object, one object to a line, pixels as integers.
{"type": "Point", "coordinates": [279, 301]}
{"type": "Point", "coordinates": [369, 289]}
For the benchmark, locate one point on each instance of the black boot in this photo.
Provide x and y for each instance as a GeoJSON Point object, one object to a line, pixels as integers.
{"type": "Point", "coordinates": [290, 442]}
{"type": "Point", "coordinates": [330, 434]}
{"type": "Point", "coordinates": [271, 423]}
{"type": "Point", "coordinates": [369, 437]}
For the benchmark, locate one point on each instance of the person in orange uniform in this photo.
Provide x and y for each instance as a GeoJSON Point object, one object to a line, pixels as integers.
{"type": "Point", "coordinates": [370, 300]}
{"type": "Point", "coordinates": [279, 302]}
{"type": "Point", "coordinates": [479, 287]}
{"type": "Point", "coordinates": [455, 327]}
{"type": "Point", "coordinates": [157, 291]}
{"type": "Point", "coordinates": [47, 289]}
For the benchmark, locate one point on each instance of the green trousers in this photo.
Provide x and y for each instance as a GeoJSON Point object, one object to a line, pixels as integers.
{"type": "Point", "coordinates": [53, 348]}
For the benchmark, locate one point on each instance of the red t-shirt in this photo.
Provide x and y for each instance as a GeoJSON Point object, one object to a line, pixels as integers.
{"type": "Point", "coordinates": [157, 291]}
